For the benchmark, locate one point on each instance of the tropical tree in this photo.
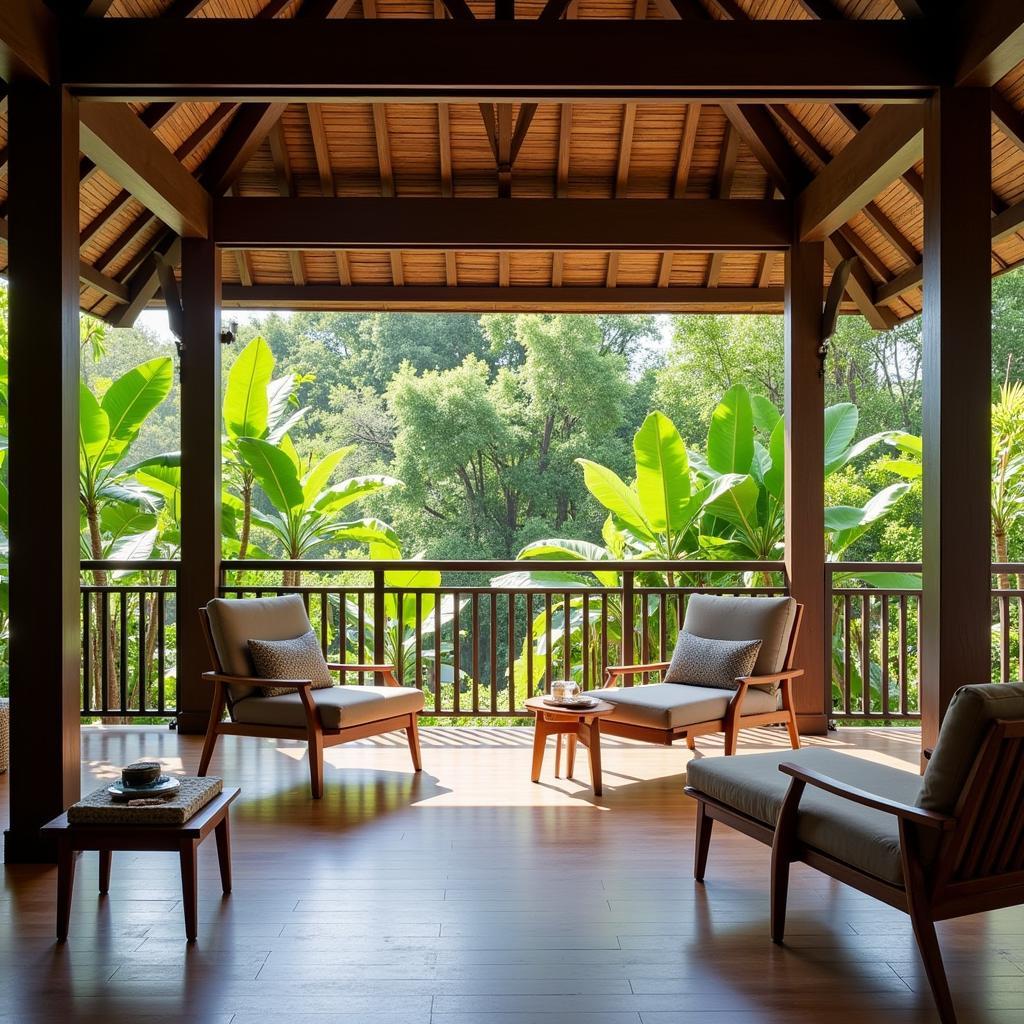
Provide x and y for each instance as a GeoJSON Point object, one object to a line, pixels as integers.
{"type": "Point", "coordinates": [305, 506]}
{"type": "Point", "coordinates": [256, 404]}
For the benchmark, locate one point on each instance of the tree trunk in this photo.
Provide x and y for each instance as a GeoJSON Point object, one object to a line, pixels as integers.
{"type": "Point", "coordinates": [243, 541]}
{"type": "Point", "coordinates": [1001, 550]}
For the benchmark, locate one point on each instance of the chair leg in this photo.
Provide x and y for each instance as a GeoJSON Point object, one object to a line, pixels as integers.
{"type": "Point", "coordinates": [732, 734]}
{"type": "Point", "coordinates": [691, 745]}
{"type": "Point", "coordinates": [703, 841]}
{"type": "Point", "coordinates": [316, 764]}
{"type": "Point", "coordinates": [212, 732]}
{"type": "Point", "coordinates": [412, 733]}
{"type": "Point", "coordinates": [783, 844]}
{"type": "Point", "coordinates": [787, 704]}
{"type": "Point", "coordinates": [105, 856]}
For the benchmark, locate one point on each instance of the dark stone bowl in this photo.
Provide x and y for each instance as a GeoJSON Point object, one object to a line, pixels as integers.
{"type": "Point", "coordinates": [141, 773]}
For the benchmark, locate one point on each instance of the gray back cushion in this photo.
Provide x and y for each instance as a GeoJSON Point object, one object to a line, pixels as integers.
{"type": "Point", "coordinates": [716, 663]}
{"type": "Point", "coordinates": [971, 711]}
{"type": "Point", "coordinates": [768, 619]}
{"type": "Point", "coordinates": [234, 622]}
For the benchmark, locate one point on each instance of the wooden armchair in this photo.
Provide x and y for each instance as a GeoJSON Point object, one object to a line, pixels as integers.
{"type": "Point", "coordinates": [323, 717]}
{"type": "Point", "coordinates": [938, 847]}
{"type": "Point", "coordinates": [666, 711]}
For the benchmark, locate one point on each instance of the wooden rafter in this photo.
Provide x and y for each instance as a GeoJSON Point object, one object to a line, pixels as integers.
{"type": "Point", "coordinates": [622, 179]}
{"type": "Point", "coordinates": [562, 179]}
{"type": "Point", "coordinates": [723, 188]}
{"type": "Point", "coordinates": [990, 41]}
{"type": "Point", "coordinates": [115, 139]}
{"type": "Point", "coordinates": [890, 143]}
{"type": "Point", "coordinates": [684, 161]}
{"type": "Point", "coordinates": [28, 37]}
{"type": "Point", "coordinates": [1008, 118]}
{"type": "Point", "coordinates": [504, 224]}
{"type": "Point", "coordinates": [325, 172]}
{"type": "Point", "coordinates": [286, 188]}
{"type": "Point", "coordinates": [183, 8]}
{"type": "Point", "coordinates": [297, 59]}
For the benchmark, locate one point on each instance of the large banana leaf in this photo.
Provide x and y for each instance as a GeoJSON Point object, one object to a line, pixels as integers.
{"type": "Point", "coordinates": [840, 428]}
{"type": "Point", "coordinates": [246, 404]}
{"type": "Point", "coordinates": [620, 499]}
{"type": "Point", "coordinates": [134, 395]}
{"type": "Point", "coordinates": [775, 477]}
{"type": "Point", "coordinates": [558, 549]}
{"type": "Point", "coordinates": [877, 506]}
{"type": "Point", "coordinates": [316, 479]}
{"type": "Point", "coordinates": [736, 502]}
{"type": "Point", "coordinates": [731, 433]}
{"type": "Point", "coordinates": [274, 470]}
{"type": "Point", "coordinates": [662, 474]}
{"type": "Point", "coordinates": [341, 494]}
{"type": "Point", "coordinates": [766, 416]}
{"type": "Point", "coordinates": [93, 425]}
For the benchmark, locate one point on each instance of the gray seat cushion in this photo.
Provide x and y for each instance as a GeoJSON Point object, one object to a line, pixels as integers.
{"type": "Point", "coordinates": [768, 619]}
{"type": "Point", "coordinates": [672, 705]}
{"type": "Point", "coordinates": [234, 622]}
{"type": "Point", "coordinates": [860, 836]}
{"type": "Point", "coordinates": [339, 706]}
{"type": "Point", "coordinates": [970, 713]}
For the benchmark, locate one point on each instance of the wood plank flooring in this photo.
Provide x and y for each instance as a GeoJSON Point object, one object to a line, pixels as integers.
{"type": "Point", "coordinates": [468, 895]}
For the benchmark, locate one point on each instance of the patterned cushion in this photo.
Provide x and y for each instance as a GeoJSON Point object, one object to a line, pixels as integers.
{"type": "Point", "coordinates": [300, 658]}
{"type": "Point", "coordinates": [698, 661]}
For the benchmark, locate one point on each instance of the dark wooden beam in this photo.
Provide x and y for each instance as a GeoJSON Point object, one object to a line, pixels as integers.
{"type": "Point", "coordinates": [989, 38]}
{"type": "Point", "coordinates": [285, 187]}
{"type": "Point", "coordinates": [890, 143]}
{"type": "Point", "coordinates": [44, 601]}
{"type": "Point", "coordinates": [498, 299]}
{"type": "Point", "coordinates": [310, 60]}
{"type": "Point", "coordinates": [512, 224]}
{"type": "Point", "coordinates": [723, 188]}
{"type": "Point", "coordinates": [1008, 118]}
{"type": "Point", "coordinates": [243, 137]}
{"type": "Point", "coordinates": [145, 282]}
{"type": "Point", "coordinates": [199, 572]}
{"type": "Point", "coordinates": [117, 141]}
{"type": "Point", "coordinates": [28, 34]}
{"type": "Point", "coordinates": [955, 602]}
{"type": "Point", "coordinates": [182, 8]}
{"type": "Point", "coordinates": [805, 479]}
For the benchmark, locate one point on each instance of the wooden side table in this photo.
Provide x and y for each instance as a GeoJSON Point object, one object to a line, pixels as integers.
{"type": "Point", "coordinates": [583, 725]}
{"type": "Point", "coordinates": [185, 838]}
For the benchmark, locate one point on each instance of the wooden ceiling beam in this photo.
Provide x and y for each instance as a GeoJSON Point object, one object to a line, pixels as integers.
{"type": "Point", "coordinates": [28, 38]}
{"type": "Point", "coordinates": [989, 38]}
{"type": "Point", "coordinates": [181, 8]}
{"type": "Point", "coordinates": [118, 142]}
{"type": "Point", "coordinates": [511, 224]}
{"type": "Point", "coordinates": [723, 188]}
{"type": "Point", "coordinates": [494, 299]}
{"type": "Point", "coordinates": [1008, 118]}
{"type": "Point", "coordinates": [286, 188]}
{"type": "Point", "coordinates": [246, 133]}
{"type": "Point", "coordinates": [310, 60]}
{"type": "Point", "coordinates": [684, 161]}
{"type": "Point", "coordinates": [824, 10]}
{"type": "Point", "coordinates": [890, 143]}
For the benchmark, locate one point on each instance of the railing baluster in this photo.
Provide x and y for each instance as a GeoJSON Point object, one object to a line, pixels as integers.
{"type": "Point", "coordinates": [142, 652]}
{"type": "Point", "coordinates": [604, 636]}
{"type": "Point", "coordinates": [566, 638]}
{"type": "Point", "coordinates": [885, 656]}
{"type": "Point", "coordinates": [865, 653]}
{"type": "Point", "coordinates": [437, 651]}
{"type": "Point", "coordinates": [494, 646]}
{"type": "Point", "coordinates": [457, 658]}
{"type": "Point", "coordinates": [419, 640]}
{"type": "Point", "coordinates": [105, 651]}
{"type": "Point", "coordinates": [86, 652]}
{"type": "Point", "coordinates": [1004, 638]}
{"type": "Point", "coordinates": [662, 627]}
{"type": "Point", "coordinates": [161, 665]}
{"type": "Point", "coordinates": [529, 643]}
{"type": "Point", "coordinates": [902, 662]}
{"type": "Point", "coordinates": [585, 640]}
{"type": "Point", "coordinates": [325, 633]}
{"type": "Point", "coordinates": [847, 656]}
{"type": "Point", "coordinates": [627, 620]}
{"type": "Point", "coordinates": [547, 641]}
{"type": "Point", "coordinates": [511, 655]}
{"type": "Point", "coordinates": [361, 633]}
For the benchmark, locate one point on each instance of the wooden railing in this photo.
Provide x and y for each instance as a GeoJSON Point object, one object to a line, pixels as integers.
{"type": "Point", "coordinates": [480, 650]}
{"type": "Point", "coordinates": [876, 663]}
{"type": "Point", "coordinates": [128, 639]}
{"type": "Point", "coordinates": [470, 632]}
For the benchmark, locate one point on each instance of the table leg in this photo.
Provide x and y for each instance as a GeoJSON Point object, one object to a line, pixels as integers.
{"type": "Point", "coordinates": [189, 887]}
{"type": "Point", "coordinates": [223, 836]}
{"type": "Point", "coordinates": [571, 756]}
{"type": "Point", "coordinates": [65, 886]}
{"type": "Point", "coordinates": [594, 743]}
{"type": "Point", "coordinates": [558, 756]}
{"type": "Point", "coordinates": [539, 738]}
{"type": "Point", "coordinates": [105, 856]}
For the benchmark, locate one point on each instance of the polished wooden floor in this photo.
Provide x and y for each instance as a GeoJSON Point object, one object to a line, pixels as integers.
{"type": "Point", "coordinates": [468, 895]}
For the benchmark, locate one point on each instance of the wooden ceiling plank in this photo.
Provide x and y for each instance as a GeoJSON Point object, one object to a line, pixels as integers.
{"type": "Point", "coordinates": [890, 143]}
{"type": "Point", "coordinates": [504, 224]}
{"type": "Point", "coordinates": [990, 41]}
{"type": "Point", "coordinates": [117, 141]}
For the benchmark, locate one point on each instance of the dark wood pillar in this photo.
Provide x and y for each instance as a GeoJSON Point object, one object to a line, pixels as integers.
{"type": "Point", "coordinates": [805, 480]}
{"type": "Point", "coordinates": [44, 546]}
{"type": "Point", "coordinates": [199, 573]}
{"type": "Point", "coordinates": [956, 606]}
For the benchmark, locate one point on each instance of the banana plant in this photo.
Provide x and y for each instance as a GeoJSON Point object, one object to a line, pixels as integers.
{"type": "Point", "coordinates": [305, 506]}
{"type": "Point", "coordinates": [748, 437]}
{"type": "Point", "coordinates": [256, 404]}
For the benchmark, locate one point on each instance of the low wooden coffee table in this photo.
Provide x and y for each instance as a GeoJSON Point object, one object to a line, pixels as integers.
{"type": "Point", "coordinates": [583, 725]}
{"type": "Point", "coordinates": [185, 839]}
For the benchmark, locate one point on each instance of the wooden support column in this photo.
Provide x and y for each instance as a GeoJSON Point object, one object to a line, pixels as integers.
{"type": "Point", "coordinates": [805, 480]}
{"type": "Point", "coordinates": [199, 575]}
{"type": "Point", "coordinates": [43, 419]}
{"type": "Point", "coordinates": [956, 605]}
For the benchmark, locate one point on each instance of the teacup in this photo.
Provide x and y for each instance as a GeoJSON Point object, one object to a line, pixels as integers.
{"type": "Point", "coordinates": [565, 690]}
{"type": "Point", "coordinates": [141, 773]}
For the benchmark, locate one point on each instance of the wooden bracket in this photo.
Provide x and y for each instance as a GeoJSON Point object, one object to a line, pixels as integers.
{"type": "Point", "coordinates": [830, 312]}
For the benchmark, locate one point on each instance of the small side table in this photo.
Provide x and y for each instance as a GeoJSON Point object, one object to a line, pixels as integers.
{"type": "Point", "coordinates": [583, 725]}
{"type": "Point", "coordinates": [185, 838]}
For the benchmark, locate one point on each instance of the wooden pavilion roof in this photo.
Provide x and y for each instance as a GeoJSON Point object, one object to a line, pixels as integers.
{"type": "Point", "coordinates": [549, 150]}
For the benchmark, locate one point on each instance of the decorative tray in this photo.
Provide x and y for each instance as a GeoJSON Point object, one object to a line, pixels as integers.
{"type": "Point", "coordinates": [579, 704]}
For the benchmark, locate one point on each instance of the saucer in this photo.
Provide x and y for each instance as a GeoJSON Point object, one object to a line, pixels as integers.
{"type": "Point", "coordinates": [164, 787]}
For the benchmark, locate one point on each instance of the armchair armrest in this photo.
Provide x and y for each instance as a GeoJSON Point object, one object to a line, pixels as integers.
{"type": "Point", "coordinates": [223, 677]}
{"type": "Point", "coordinates": [772, 677]}
{"type": "Point", "coordinates": [614, 671]}
{"type": "Point", "coordinates": [917, 815]}
{"type": "Point", "coordinates": [387, 671]}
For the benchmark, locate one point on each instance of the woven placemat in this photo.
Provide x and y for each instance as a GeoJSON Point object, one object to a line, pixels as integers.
{"type": "Point", "coordinates": [99, 809]}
